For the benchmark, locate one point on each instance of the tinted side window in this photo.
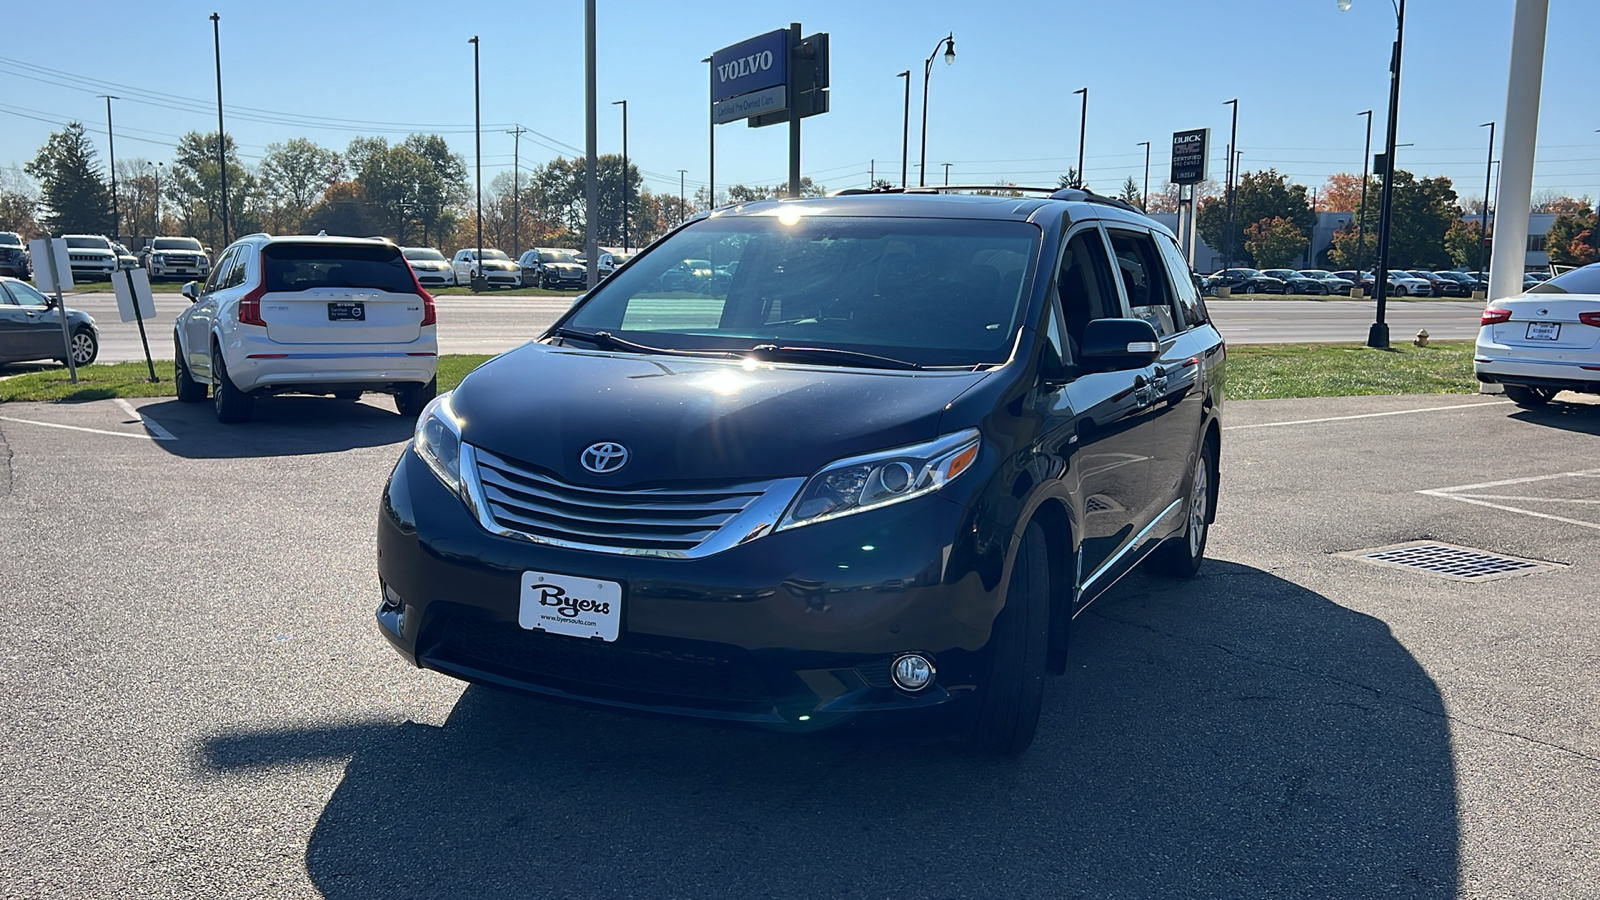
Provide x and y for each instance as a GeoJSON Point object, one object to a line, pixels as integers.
{"type": "Point", "coordinates": [1085, 286]}
{"type": "Point", "coordinates": [1189, 302]}
{"type": "Point", "coordinates": [1144, 277]}
{"type": "Point", "coordinates": [5, 297]}
{"type": "Point", "coordinates": [237, 272]}
{"type": "Point", "coordinates": [23, 294]}
{"type": "Point", "coordinates": [220, 271]}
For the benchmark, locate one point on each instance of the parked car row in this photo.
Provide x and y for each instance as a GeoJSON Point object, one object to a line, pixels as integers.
{"type": "Point", "coordinates": [542, 267]}
{"type": "Point", "coordinates": [1321, 282]}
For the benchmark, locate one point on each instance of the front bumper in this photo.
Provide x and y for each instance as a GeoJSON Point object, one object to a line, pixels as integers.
{"type": "Point", "coordinates": [801, 623]}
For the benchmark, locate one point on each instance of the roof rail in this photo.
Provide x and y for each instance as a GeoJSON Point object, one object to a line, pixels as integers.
{"type": "Point", "coordinates": [1055, 193]}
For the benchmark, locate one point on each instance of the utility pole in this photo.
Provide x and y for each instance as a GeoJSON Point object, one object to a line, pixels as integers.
{"type": "Point", "coordinates": [222, 134]}
{"type": "Point", "coordinates": [516, 190]}
{"type": "Point", "coordinates": [111, 146]}
{"type": "Point", "coordinates": [683, 209]}
{"type": "Point", "coordinates": [946, 174]}
{"type": "Point", "coordinates": [1144, 198]}
{"type": "Point", "coordinates": [624, 105]}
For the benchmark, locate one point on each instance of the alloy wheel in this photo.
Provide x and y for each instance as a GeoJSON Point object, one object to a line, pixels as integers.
{"type": "Point", "coordinates": [1199, 496]}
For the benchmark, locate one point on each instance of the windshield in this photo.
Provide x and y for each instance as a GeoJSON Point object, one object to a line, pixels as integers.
{"type": "Point", "coordinates": [10, 239]}
{"type": "Point", "coordinates": [558, 256]}
{"type": "Point", "coordinates": [88, 243]}
{"type": "Point", "coordinates": [1578, 281]}
{"type": "Point", "coordinates": [423, 253]}
{"type": "Point", "coordinates": [301, 267]}
{"type": "Point", "coordinates": [495, 254]}
{"type": "Point", "coordinates": [937, 292]}
{"type": "Point", "coordinates": [175, 244]}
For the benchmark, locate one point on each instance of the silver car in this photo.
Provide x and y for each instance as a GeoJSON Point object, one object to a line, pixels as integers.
{"type": "Point", "coordinates": [30, 327]}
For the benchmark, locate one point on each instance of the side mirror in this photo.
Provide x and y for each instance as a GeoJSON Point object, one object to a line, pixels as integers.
{"type": "Point", "coordinates": [1119, 344]}
{"type": "Point", "coordinates": [192, 290]}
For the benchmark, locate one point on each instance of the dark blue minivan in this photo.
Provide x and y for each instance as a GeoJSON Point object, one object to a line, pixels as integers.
{"type": "Point", "coordinates": [804, 462]}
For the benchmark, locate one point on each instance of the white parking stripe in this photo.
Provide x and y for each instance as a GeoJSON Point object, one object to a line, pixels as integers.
{"type": "Point", "coordinates": [126, 434]}
{"type": "Point", "coordinates": [156, 431]}
{"type": "Point", "coordinates": [1397, 412]}
{"type": "Point", "coordinates": [1526, 512]}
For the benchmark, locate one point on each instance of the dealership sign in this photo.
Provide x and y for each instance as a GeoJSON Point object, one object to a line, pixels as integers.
{"type": "Point", "coordinates": [750, 77]}
{"type": "Point", "coordinates": [1189, 155]}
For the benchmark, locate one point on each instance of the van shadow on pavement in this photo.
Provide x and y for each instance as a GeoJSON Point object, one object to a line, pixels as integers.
{"type": "Point", "coordinates": [280, 426]}
{"type": "Point", "coordinates": [1233, 736]}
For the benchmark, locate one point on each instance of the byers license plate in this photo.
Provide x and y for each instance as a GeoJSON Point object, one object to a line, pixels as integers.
{"type": "Point", "coordinates": [1544, 331]}
{"type": "Point", "coordinates": [347, 312]}
{"type": "Point", "coordinates": [563, 604]}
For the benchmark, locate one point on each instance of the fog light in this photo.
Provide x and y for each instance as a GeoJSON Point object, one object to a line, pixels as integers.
{"type": "Point", "coordinates": [391, 598]}
{"type": "Point", "coordinates": [911, 672]}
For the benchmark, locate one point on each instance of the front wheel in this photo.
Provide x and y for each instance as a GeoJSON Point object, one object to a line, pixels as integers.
{"type": "Point", "coordinates": [1529, 397]}
{"type": "Point", "coordinates": [409, 400]}
{"type": "Point", "coordinates": [1009, 715]}
{"type": "Point", "coordinates": [1181, 555]}
{"type": "Point", "coordinates": [1399, 290]}
{"type": "Point", "coordinates": [84, 345]}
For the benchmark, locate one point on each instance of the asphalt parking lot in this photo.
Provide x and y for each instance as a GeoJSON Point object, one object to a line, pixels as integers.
{"type": "Point", "coordinates": [198, 703]}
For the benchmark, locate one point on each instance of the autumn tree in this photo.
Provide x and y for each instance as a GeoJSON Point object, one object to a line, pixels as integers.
{"type": "Point", "coordinates": [1462, 241]}
{"type": "Point", "coordinates": [1258, 196]}
{"type": "Point", "coordinates": [1561, 204]}
{"type": "Point", "coordinates": [1571, 240]}
{"type": "Point", "coordinates": [1341, 254]}
{"type": "Point", "coordinates": [293, 177]}
{"type": "Point", "coordinates": [1275, 243]}
{"type": "Point", "coordinates": [1166, 200]}
{"type": "Point", "coordinates": [72, 184]}
{"type": "Point", "coordinates": [1342, 193]}
{"type": "Point", "coordinates": [193, 187]}
{"type": "Point", "coordinates": [19, 203]}
{"type": "Point", "coordinates": [344, 210]}
{"type": "Point", "coordinates": [137, 184]}
{"type": "Point", "coordinates": [1421, 212]}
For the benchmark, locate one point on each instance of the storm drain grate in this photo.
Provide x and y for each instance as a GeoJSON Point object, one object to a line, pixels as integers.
{"type": "Point", "coordinates": [1449, 561]}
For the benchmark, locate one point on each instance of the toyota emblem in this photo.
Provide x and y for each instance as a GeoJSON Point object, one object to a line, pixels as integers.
{"type": "Point", "coordinates": [604, 458]}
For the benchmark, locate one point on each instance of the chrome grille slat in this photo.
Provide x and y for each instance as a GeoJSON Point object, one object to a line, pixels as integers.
{"type": "Point", "coordinates": [520, 500]}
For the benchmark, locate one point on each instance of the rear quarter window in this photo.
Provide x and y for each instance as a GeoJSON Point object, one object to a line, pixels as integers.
{"type": "Point", "coordinates": [302, 267]}
{"type": "Point", "coordinates": [1578, 281]}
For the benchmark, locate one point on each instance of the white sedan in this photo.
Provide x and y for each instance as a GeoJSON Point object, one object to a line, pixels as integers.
{"type": "Point", "coordinates": [1545, 341]}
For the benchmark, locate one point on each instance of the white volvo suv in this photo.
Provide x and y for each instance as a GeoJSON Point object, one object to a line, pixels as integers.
{"type": "Point", "coordinates": [307, 315]}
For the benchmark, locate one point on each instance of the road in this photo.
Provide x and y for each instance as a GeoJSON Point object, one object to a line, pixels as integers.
{"type": "Point", "coordinates": [198, 702]}
{"type": "Point", "coordinates": [495, 323]}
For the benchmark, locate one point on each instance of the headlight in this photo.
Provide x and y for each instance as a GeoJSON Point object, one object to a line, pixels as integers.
{"type": "Point", "coordinates": [438, 441]}
{"type": "Point", "coordinates": [867, 482]}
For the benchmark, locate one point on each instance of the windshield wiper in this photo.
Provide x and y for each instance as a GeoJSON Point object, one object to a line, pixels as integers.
{"type": "Point", "coordinates": [605, 340]}
{"type": "Point", "coordinates": [820, 354]}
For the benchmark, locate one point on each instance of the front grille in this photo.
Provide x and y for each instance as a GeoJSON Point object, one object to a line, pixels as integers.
{"type": "Point", "coordinates": [705, 673]}
{"type": "Point", "coordinates": [529, 501]}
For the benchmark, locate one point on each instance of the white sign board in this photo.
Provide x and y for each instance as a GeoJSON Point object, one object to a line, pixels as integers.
{"type": "Point", "coordinates": [755, 103]}
{"type": "Point", "coordinates": [40, 249]}
{"type": "Point", "coordinates": [139, 289]}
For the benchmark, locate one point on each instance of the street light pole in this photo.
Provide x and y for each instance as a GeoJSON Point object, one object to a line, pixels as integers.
{"type": "Point", "coordinates": [1378, 334]}
{"type": "Point", "coordinates": [1361, 217]}
{"type": "Point", "coordinates": [946, 174]}
{"type": "Point", "coordinates": [1144, 198]}
{"type": "Point", "coordinates": [683, 210]}
{"type": "Point", "coordinates": [111, 148]}
{"type": "Point", "coordinates": [222, 138]}
{"type": "Point", "coordinates": [1083, 126]}
{"type": "Point", "coordinates": [1483, 229]}
{"type": "Point", "coordinates": [711, 178]}
{"type": "Point", "coordinates": [949, 45]}
{"type": "Point", "coordinates": [155, 169]}
{"type": "Point", "coordinates": [478, 279]}
{"type": "Point", "coordinates": [624, 105]}
{"type": "Point", "coordinates": [516, 190]}
{"type": "Point", "coordinates": [1233, 143]}
{"type": "Point", "coordinates": [905, 129]}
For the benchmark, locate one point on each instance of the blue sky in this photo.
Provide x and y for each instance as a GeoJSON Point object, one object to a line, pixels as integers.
{"type": "Point", "coordinates": [1301, 70]}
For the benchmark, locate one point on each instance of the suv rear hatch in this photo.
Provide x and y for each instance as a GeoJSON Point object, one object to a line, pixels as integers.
{"type": "Point", "coordinates": [333, 293]}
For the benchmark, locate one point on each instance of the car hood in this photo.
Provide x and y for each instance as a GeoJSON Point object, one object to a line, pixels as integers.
{"type": "Point", "coordinates": [692, 419]}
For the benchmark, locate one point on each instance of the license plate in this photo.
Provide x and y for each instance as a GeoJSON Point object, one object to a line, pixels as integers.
{"type": "Point", "coordinates": [1544, 331]}
{"type": "Point", "coordinates": [565, 604]}
{"type": "Point", "coordinates": [347, 312]}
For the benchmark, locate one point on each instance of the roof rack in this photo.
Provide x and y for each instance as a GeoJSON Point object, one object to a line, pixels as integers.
{"type": "Point", "coordinates": [1081, 195]}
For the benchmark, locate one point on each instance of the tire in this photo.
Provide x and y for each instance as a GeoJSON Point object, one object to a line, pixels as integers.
{"type": "Point", "coordinates": [1180, 556]}
{"type": "Point", "coordinates": [231, 404]}
{"type": "Point", "coordinates": [85, 346]}
{"type": "Point", "coordinates": [1009, 714]}
{"type": "Point", "coordinates": [189, 390]}
{"type": "Point", "coordinates": [409, 400]}
{"type": "Point", "coordinates": [1399, 290]}
{"type": "Point", "coordinates": [1529, 397]}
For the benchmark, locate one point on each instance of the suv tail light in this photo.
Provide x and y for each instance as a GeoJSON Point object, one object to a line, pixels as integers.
{"type": "Point", "coordinates": [430, 316]}
{"type": "Point", "coordinates": [250, 307]}
{"type": "Point", "coordinates": [1494, 316]}
{"type": "Point", "coordinates": [1590, 318]}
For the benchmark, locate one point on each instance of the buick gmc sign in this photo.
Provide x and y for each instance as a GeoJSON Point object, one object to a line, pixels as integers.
{"type": "Point", "coordinates": [755, 65]}
{"type": "Point", "coordinates": [1189, 155]}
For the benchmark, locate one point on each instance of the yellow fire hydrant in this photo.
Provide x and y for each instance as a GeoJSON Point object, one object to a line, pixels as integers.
{"type": "Point", "coordinates": [1422, 338]}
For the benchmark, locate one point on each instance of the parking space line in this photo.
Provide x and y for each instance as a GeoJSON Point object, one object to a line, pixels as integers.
{"type": "Point", "coordinates": [126, 434]}
{"type": "Point", "coordinates": [1396, 412]}
{"type": "Point", "coordinates": [1456, 493]}
{"type": "Point", "coordinates": [155, 429]}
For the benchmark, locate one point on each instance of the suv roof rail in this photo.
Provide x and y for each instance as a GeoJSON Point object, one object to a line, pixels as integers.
{"type": "Point", "coordinates": [1082, 195]}
{"type": "Point", "coordinates": [256, 235]}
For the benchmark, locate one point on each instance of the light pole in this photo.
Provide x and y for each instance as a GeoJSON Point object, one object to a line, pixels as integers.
{"type": "Point", "coordinates": [478, 280]}
{"type": "Point", "coordinates": [946, 174]}
{"type": "Point", "coordinates": [905, 129]}
{"type": "Point", "coordinates": [516, 190]}
{"type": "Point", "coordinates": [1483, 229]}
{"type": "Point", "coordinates": [155, 169]}
{"type": "Point", "coordinates": [111, 149]}
{"type": "Point", "coordinates": [1378, 334]}
{"type": "Point", "coordinates": [949, 45]}
{"type": "Point", "coordinates": [683, 210]}
{"type": "Point", "coordinates": [711, 177]}
{"type": "Point", "coordinates": [1233, 142]}
{"type": "Point", "coordinates": [1361, 217]}
{"type": "Point", "coordinates": [222, 138]}
{"type": "Point", "coordinates": [624, 105]}
{"type": "Point", "coordinates": [1144, 198]}
{"type": "Point", "coordinates": [1083, 125]}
